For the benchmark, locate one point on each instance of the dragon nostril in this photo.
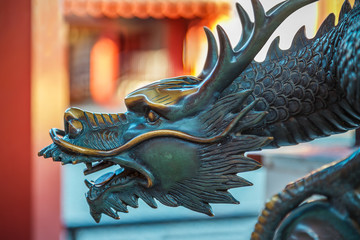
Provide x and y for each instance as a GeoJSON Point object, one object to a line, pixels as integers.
{"type": "Point", "coordinates": [75, 127]}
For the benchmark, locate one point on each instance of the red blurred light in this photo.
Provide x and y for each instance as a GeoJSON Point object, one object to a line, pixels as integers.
{"type": "Point", "coordinates": [104, 69]}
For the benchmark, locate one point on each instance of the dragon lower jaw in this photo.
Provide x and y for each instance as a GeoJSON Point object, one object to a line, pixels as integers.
{"type": "Point", "coordinates": [118, 179]}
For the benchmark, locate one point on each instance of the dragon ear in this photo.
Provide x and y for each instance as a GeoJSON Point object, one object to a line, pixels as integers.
{"type": "Point", "coordinates": [219, 73]}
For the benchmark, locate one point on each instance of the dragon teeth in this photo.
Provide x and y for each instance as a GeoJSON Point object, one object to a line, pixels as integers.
{"type": "Point", "coordinates": [104, 179]}
{"type": "Point", "coordinates": [117, 181]}
{"type": "Point", "coordinates": [88, 165]}
{"type": "Point", "coordinates": [89, 184]}
{"type": "Point", "coordinates": [120, 170]}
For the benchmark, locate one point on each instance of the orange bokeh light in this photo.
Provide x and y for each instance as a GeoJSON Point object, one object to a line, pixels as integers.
{"type": "Point", "coordinates": [196, 46]}
{"type": "Point", "coordinates": [104, 69]}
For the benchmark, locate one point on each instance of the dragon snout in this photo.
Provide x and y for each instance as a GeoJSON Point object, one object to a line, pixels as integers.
{"type": "Point", "coordinates": [72, 124]}
{"type": "Point", "coordinates": [88, 133]}
{"type": "Point", "coordinates": [75, 120]}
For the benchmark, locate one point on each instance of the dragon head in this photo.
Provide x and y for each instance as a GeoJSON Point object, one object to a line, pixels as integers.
{"type": "Point", "coordinates": [180, 141]}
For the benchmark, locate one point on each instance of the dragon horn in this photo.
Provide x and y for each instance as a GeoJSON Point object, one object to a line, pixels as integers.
{"type": "Point", "coordinates": [231, 62]}
{"type": "Point", "coordinates": [212, 54]}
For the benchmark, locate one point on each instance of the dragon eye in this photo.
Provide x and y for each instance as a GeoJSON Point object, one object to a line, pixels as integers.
{"type": "Point", "coordinates": [152, 116]}
{"type": "Point", "coordinates": [75, 128]}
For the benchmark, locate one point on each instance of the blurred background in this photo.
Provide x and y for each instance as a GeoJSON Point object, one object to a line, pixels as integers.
{"type": "Point", "coordinates": [91, 54]}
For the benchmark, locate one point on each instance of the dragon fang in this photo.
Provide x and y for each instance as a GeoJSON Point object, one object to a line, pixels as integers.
{"type": "Point", "coordinates": [182, 140]}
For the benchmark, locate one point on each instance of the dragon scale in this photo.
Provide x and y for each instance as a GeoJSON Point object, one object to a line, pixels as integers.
{"type": "Point", "coordinates": [304, 89]}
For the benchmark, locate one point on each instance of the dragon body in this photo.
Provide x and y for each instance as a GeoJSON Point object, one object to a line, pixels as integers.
{"type": "Point", "coordinates": [182, 140]}
{"type": "Point", "coordinates": [309, 90]}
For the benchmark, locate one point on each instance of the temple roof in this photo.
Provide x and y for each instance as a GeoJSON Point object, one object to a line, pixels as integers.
{"type": "Point", "coordinates": [146, 8]}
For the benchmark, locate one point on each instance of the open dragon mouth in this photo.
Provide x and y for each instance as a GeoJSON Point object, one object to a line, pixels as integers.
{"type": "Point", "coordinates": [120, 177]}
{"type": "Point", "coordinates": [109, 193]}
{"type": "Point", "coordinates": [128, 167]}
{"type": "Point", "coordinates": [113, 192]}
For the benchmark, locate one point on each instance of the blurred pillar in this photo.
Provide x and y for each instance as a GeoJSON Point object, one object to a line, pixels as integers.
{"type": "Point", "coordinates": [15, 145]}
{"type": "Point", "coordinates": [104, 69]}
{"type": "Point", "coordinates": [49, 100]}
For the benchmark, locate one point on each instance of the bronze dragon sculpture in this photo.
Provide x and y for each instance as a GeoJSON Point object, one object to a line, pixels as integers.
{"type": "Point", "coordinates": [182, 140]}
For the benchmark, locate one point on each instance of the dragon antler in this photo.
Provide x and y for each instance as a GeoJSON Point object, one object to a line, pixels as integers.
{"type": "Point", "coordinates": [220, 69]}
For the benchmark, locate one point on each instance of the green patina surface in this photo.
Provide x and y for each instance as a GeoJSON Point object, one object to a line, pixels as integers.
{"type": "Point", "coordinates": [170, 160]}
